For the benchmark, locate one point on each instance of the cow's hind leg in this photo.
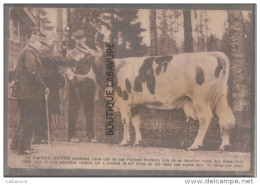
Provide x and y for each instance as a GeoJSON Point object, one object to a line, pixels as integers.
{"type": "Point", "coordinates": [125, 116]}
{"type": "Point", "coordinates": [226, 120]}
{"type": "Point", "coordinates": [205, 115]}
{"type": "Point", "coordinates": [136, 123]}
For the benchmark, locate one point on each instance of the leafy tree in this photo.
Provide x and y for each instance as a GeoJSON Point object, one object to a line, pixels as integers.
{"type": "Point", "coordinates": [164, 38]}
{"type": "Point", "coordinates": [238, 73]}
{"type": "Point", "coordinates": [126, 32]}
{"type": "Point", "coordinates": [214, 43]}
{"type": "Point", "coordinates": [168, 27]}
{"type": "Point", "coordinates": [174, 29]}
{"type": "Point", "coordinates": [249, 53]}
{"type": "Point", "coordinates": [91, 21]}
{"type": "Point", "coordinates": [153, 33]}
{"type": "Point", "coordinates": [121, 23]}
{"type": "Point", "coordinates": [201, 29]}
{"type": "Point", "coordinates": [249, 43]}
{"type": "Point", "coordinates": [225, 43]}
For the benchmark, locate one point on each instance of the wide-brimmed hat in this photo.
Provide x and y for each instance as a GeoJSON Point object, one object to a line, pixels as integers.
{"type": "Point", "coordinates": [79, 33]}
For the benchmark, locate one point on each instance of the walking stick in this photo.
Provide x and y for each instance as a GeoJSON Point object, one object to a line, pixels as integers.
{"type": "Point", "coordinates": [48, 121]}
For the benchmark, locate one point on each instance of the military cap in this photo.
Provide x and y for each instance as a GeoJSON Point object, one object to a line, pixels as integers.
{"type": "Point", "coordinates": [39, 37]}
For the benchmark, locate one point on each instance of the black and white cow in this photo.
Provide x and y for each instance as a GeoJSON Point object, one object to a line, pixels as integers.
{"type": "Point", "coordinates": [195, 82]}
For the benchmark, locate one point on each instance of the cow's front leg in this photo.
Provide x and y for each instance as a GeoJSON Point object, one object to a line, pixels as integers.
{"type": "Point", "coordinates": [125, 120]}
{"type": "Point", "coordinates": [205, 116]}
{"type": "Point", "coordinates": [136, 123]}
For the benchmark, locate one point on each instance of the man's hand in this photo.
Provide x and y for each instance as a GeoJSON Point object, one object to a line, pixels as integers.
{"type": "Point", "coordinates": [47, 91]}
{"type": "Point", "coordinates": [70, 74]}
{"type": "Point", "coordinates": [79, 56]}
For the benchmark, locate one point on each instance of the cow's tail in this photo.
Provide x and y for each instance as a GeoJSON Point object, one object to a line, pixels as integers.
{"type": "Point", "coordinates": [225, 72]}
{"type": "Point", "coordinates": [224, 64]}
{"type": "Point", "coordinates": [222, 109]}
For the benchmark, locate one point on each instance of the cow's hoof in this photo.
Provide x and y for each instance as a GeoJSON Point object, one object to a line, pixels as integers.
{"type": "Point", "coordinates": [192, 148]}
{"type": "Point", "coordinates": [224, 148]}
{"type": "Point", "coordinates": [138, 143]}
{"type": "Point", "coordinates": [123, 143]}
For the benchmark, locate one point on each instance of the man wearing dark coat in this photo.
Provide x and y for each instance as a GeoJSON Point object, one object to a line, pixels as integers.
{"type": "Point", "coordinates": [32, 82]}
{"type": "Point", "coordinates": [29, 90]}
{"type": "Point", "coordinates": [51, 62]}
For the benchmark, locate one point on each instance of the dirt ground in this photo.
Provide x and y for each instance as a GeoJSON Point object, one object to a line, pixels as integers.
{"type": "Point", "coordinates": [165, 135]}
{"type": "Point", "coordinates": [99, 156]}
{"type": "Point", "coordinates": [163, 129]}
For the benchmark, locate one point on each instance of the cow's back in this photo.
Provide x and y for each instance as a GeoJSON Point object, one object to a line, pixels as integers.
{"type": "Point", "coordinates": [165, 79]}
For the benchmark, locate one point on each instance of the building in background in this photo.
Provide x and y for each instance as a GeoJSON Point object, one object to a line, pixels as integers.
{"type": "Point", "coordinates": [21, 24]}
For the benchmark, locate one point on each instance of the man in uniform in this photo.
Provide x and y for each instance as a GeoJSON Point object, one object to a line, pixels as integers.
{"type": "Point", "coordinates": [29, 90]}
{"type": "Point", "coordinates": [51, 62]}
{"type": "Point", "coordinates": [81, 89]}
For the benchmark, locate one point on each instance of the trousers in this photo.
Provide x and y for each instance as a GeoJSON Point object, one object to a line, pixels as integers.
{"type": "Point", "coordinates": [82, 92]}
{"type": "Point", "coordinates": [32, 118]}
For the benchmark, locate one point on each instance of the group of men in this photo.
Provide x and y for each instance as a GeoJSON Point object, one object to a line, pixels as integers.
{"type": "Point", "coordinates": [34, 86]}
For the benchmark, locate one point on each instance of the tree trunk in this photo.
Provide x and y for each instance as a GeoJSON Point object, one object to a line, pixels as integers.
{"type": "Point", "coordinates": [238, 74]}
{"type": "Point", "coordinates": [59, 30]}
{"type": "Point", "coordinates": [188, 41]}
{"type": "Point", "coordinates": [153, 33]}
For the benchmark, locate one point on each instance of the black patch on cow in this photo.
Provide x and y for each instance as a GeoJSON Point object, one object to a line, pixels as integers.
{"type": "Point", "coordinates": [219, 67]}
{"type": "Point", "coordinates": [163, 59]}
{"type": "Point", "coordinates": [127, 85]}
{"type": "Point", "coordinates": [137, 109]}
{"type": "Point", "coordinates": [156, 104]}
{"type": "Point", "coordinates": [125, 95]}
{"type": "Point", "coordinates": [119, 91]}
{"type": "Point", "coordinates": [200, 78]}
{"type": "Point", "coordinates": [162, 62]}
{"type": "Point", "coordinates": [158, 69]}
{"type": "Point", "coordinates": [116, 88]}
{"type": "Point", "coordinates": [138, 84]}
{"type": "Point", "coordinates": [146, 74]}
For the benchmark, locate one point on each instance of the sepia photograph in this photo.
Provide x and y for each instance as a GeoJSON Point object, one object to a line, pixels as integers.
{"type": "Point", "coordinates": [129, 90]}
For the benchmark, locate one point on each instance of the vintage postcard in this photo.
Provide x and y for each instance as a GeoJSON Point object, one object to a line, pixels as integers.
{"type": "Point", "coordinates": [129, 90]}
